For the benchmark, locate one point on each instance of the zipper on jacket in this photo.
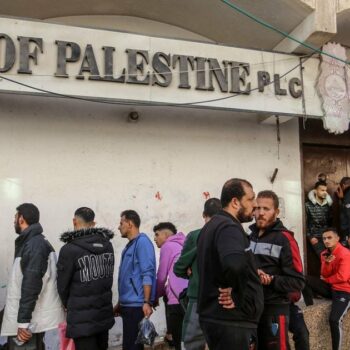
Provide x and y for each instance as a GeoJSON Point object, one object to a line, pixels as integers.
{"type": "Point", "coordinates": [133, 287]}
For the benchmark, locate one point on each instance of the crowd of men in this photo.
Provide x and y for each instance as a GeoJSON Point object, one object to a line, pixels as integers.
{"type": "Point", "coordinates": [222, 288]}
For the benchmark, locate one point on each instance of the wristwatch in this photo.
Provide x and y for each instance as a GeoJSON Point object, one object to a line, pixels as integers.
{"type": "Point", "coordinates": [147, 302]}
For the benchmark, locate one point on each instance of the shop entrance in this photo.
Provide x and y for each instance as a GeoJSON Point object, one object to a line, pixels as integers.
{"type": "Point", "coordinates": [328, 154]}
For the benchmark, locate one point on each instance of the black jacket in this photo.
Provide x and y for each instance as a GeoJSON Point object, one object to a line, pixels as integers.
{"type": "Point", "coordinates": [318, 216]}
{"type": "Point", "coordinates": [277, 254]}
{"type": "Point", "coordinates": [34, 250]}
{"type": "Point", "coordinates": [84, 280]}
{"type": "Point", "coordinates": [345, 214]}
{"type": "Point", "coordinates": [225, 260]}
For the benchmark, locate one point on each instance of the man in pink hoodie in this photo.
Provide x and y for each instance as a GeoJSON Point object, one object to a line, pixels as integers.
{"type": "Point", "coordinates": [169, 285]}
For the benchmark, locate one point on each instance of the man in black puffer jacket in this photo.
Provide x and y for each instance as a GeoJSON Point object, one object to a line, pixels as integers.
{"type": "Point", "coordinates": [84, 279]}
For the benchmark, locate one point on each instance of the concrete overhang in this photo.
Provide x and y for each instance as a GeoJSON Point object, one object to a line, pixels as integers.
{"type": "Point", "coordinates": [210, 19]}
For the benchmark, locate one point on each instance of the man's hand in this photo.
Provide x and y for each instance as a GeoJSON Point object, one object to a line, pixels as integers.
{"type": "Point", "coordinates": [23, 334]}
{"type": "Point", "coordinates": [189, 272]}
{"type": "Point", "coordinates": [225, 298]}
{"type": "Point", "coordinates": [116, 310]}
{"type": "Point", "coordinates": [329, 259]}
{"type": "Point", "coordinates": [265, 278]}
{"type": "Point", "coordinates": [339, 192]}
{"type": "Point", "coordinates": [313, 240]}
{"type": "Point", "coordinates": [147, 310]}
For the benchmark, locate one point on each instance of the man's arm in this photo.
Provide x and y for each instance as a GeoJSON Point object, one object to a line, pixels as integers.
{"type": "Point", "coordinates": [187, 257]}
{"type": "Point", "coordinates": [65, 271]}
{"type": "Point", "coordinates": [342, 274]}
{"type": "Point", "coordinates": [291, 279]}
{"type": "Point", "coordinates": [231, 249]}
{"type": "Point", "coordinates": [163, 271]}
{"type": "Point", "coordinates": [34, 264]}
{"type": "Point", "coordinates": [147, 260]}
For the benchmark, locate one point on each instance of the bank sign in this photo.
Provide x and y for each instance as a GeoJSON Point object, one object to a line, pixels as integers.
{"type": "Point", "coordinates": [43, 58]}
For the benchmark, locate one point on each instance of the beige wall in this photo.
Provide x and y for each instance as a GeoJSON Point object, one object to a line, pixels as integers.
{"type": "Point", "coordinates": [62, 154]}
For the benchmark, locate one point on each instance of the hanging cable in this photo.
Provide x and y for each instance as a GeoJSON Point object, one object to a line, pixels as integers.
{"type": "Point", "coordinates": [285, 34]}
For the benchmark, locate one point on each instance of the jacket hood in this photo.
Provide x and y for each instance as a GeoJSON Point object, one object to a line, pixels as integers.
{"type": "Point", "coordinates": [70, 236]}
{"type": "Point", "coordinates": [178, 238]}
{"type": "Point", "coordinates": [276, 226]}
{"type": "Point", "coordinates": [27, 234]}
{"type": "Point", "coordinates": [312, 198]}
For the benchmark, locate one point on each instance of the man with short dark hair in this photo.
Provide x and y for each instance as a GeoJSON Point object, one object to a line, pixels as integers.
{"type": "Point", "coordinates": [136, 280]}
{"type": "Point", "coordinates": [280, 270]}
{"type": "Point", "coordinates": [169, 285]}
{"type": "Point", "coordinates": [226, 261]}
{"type": "Point", "coordinates": [334, 283]}
{"type": "Point", "coordinates": [344, 195]}
{"type": "Point", "coordinates": [85, 279]}
{"type": "Point", "coordinates": [187, 267]}
{"type": "Point", "coordinates": [29, 312]}
{"type": "Point", "coordinates": [318, 215]}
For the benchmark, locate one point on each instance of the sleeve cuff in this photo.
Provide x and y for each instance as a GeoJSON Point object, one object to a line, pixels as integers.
{"type": "Point", "coordinates": [147, 281]}
{"type": "Point", "coordinates": [23, 325]}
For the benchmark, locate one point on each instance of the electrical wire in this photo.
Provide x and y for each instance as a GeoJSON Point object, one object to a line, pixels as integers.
{"type": "Point", "coordinates": [285, 34]}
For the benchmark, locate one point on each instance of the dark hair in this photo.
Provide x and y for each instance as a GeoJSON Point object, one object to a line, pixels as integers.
{"type": "Point", "coordinates": [272, 195]}
{"type": "Point", "coordinates": [211, 207]}
{"type": "Point", "coordinates": [29, 212]}
{"type": "Point", "coordinates": [330, 229]}
{"type": "Point", "coordinates": [345, 181]}
{"type": "Point", "coordinates": [233, 188]}
{"type": "Point", "coordinates": [132, 216]}
{"type": "Point", "coordinates": [86, 214]}
{"type": "Point", "coordinates": [165, 226]}
{"type": "Point", "coordinates": [320, 183]}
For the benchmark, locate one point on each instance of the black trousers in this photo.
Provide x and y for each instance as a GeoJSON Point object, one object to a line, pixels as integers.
{"type": "Point", "coordinates": [35, 343]}
{"type": "Point", "coordinates": [224, 337]}
{"type": "Point", "coordinates": [340, 306]}
{"type": "Point", "coordinates": [298, 328]}
{"type": "Point", "coordinates": [95, 342]}
{"type": "Point", "coordinates": [131, 316]}
{"type": "Point", "coordinates": [273, 329]}
{"type": "Point", "coordinates": [174, 317]}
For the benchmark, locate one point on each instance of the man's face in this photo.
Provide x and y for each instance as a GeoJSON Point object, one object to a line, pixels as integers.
{"type": "Point", "coordinates": [160, 237]}
{"type": "Point", "coordinates": [265, 213]}
{"type": "Point", "coordinates": [321, 192]}
{"type": "Point", "coordinates": [248, 203]}
{"type": "Point", "coordinates": [330, 239]}
{"type": "Point", "coordinates": [16, 224]}
{"type": "Point", "coordinates": [124, 227]}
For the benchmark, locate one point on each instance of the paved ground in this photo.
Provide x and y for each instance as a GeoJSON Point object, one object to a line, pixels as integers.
{"type": "Point", "coordinates": [316, 318]}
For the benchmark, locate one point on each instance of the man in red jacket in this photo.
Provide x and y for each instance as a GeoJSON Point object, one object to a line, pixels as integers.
{"type": "Point", "coordinates": [334, 283]}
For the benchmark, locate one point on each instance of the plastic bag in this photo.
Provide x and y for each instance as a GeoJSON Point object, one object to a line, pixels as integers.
{"type": "Point", "coordinates": [147, 332]}
{"type": "Point", "coordinates": [65, 343]}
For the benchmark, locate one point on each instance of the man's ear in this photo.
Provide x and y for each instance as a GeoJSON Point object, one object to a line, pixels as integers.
{"type": "Point", "coordinates": [93, 224]}
{"type": "Point", "coordinates": [235, 203]}
{"type": "Point", "coordinates": [74, 222]}
{"type": "Point", "coordinates": [277, 212]}
{"type": "Point", "coordinates": [21, 220]}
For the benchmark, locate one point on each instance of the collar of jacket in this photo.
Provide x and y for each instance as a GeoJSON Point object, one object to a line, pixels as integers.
{"type": "Point", "coordinates": [27, 234]}
{"type": "Point", "coordinates": [69, 236]}
{"type": "Point", "coordinates": [228, 215]}
{"type": "Point", "coordinates": [312, 198]}
{"type": "Point", "coordinates": [276, 226]}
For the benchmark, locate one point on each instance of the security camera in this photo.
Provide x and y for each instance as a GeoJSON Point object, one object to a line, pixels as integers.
{"type": "Point", "coordinates": [133, 117]}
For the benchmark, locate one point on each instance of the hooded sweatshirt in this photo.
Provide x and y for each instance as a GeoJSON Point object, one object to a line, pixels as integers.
{"type": "Point", "coordinates": [318, 215]}
{"type": "Point", "coordinates": [167, 282]}
{"type": "Point", "coordinates": [84, 279]}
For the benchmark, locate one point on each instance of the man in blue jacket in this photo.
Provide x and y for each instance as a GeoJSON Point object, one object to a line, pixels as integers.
{"type": "Point", "coordinates": [137, 278]}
